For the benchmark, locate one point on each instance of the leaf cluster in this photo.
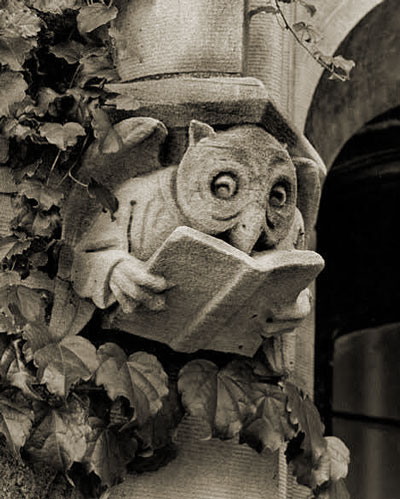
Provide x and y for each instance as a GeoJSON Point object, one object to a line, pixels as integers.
{"type": "Point", "coordinates": [94, 412]}
{"type": "Point", "coordinates": [240, 402]}
{"type": "Point", "coordinates": [86, 411]}
{"type": "Point", "coordinates": [72, 406]}
{"type": "Point", "coordinates": [55, 58]}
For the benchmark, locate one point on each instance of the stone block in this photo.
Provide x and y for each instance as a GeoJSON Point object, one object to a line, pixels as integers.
{"type": "Point", "coordinates": [209, 469]}
{"type": "Point", "coordinates": [218, 101]}
{"type": "Point", "coordinates": [159, 37]}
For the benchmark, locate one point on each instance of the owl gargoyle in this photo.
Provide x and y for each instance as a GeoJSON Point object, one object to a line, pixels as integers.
{"type": "Point", "coordinates": [208, 254]}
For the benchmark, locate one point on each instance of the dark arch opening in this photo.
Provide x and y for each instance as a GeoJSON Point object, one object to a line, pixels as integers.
{"type": "Point", "coordinates": [358, 305]}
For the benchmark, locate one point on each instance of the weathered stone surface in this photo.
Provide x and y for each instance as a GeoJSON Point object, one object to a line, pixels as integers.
{"type": "Point", "coordinates": [218, 101]}
{"type": "Point", "coordinates": [179, 37]}
{"type": "Point", "coordinates": [239, 185]}
{"type": "Point", "coordinates": [209, 469]}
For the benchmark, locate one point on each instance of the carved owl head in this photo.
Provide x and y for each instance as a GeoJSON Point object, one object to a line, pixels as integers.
{"type": "Point", "coordinates": [240, 182]}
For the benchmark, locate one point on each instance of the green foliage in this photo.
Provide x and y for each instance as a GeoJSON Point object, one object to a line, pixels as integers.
{"type": "Point", "coordinates": [62, 434]}
{"type": "Point", "coordinates": [108, 453]}
{"type": "Point", "coordinates": [95, 15]}
{"type": "Point", "coordinates": [63, 400]}
{"type": "Point", "coordinates": [15, 423]}
{"type": "Point", "coordinates": [63, 363]}
{"type": "Point", "coordinates": [140, 378]}
{"type": "Point", "coordinates": [12, 90]}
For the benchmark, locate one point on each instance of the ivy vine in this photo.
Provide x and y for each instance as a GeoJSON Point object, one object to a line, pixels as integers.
{"type": "Point", "coordinates": [76, 403]}
{"type": "Point", "coordinates": [308, 37]}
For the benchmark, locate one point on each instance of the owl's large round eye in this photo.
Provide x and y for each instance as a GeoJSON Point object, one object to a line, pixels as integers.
{"type": "Point", "coordinates": [278, 195]}
{"type": "Point", "coordinates": [224, 185]}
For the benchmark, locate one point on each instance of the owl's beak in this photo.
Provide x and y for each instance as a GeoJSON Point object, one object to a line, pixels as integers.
{"type": "Point", "coordinates": [249, 228]}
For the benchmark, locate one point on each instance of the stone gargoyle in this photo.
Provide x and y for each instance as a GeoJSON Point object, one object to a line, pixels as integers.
{"type": "Point", "coordinates": [208, 254]}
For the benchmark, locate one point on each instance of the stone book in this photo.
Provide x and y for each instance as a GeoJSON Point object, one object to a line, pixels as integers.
{"type": "Point", "coordinates": [223, 309]}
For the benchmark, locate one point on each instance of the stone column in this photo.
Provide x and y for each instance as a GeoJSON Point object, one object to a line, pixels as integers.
{"type": "Point", "coordinates": [200, 59]}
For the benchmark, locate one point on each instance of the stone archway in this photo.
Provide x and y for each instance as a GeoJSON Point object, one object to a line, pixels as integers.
{"type": "Point", "coordinates": [355, 127]}
{"type": "Point", "coordinates": [337, 110]}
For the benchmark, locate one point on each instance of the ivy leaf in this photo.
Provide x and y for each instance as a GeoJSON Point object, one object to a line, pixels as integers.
{"type": "Point", "coordinates": [44, 225]}
{"type": "Point", "coordinates": [223, 398]}
{"type": "Point", "coordinates": [18, 20]}
{"type": "Point", "coordinates": [13, 128]}
{"type": "Point", "coordinates": [309, 451]}
{"type": "Point", "coordinates": [12, 90]}
{"type": "Point", "coordinates": [70, 51]}
{"type": "Point", "coordinates": [304, 413]}
{"type": "Point", "coordinates": [6, 245]}
{"type": "Point", "coordinates": [61, 438]}
{"type": "Point", "coordinates": [62, 136]}
{"type": "Point", "coordinates": [96, 63]}
{"type": "Point", "coordinates": [20, 377]}
{"type": "Point", "coordinates": [26, 172]}
{"type": "Point", "coordinates": [339, 458]}
{"type": "Point", "coordinates": [13, 52]}
{"type": "Point", "coordinates": [46, 96]}
{"type": "Point", "coordinates": [158, 431]}
{"type": "Point", "coordinates": [94, 16]}
{"type": "Point", "coordinates": [198, 385]}
{"type": "Point", "coordinates": [333, 464]}
{"type": "Point", "coordinates": [7, 355]}
{"type": "Point", "coordinates": [103, 196]}
{"type": "Point", "coordinates": [63, 363]}
{"type": "Point", "coordinates": [20, 305]}
{"type": "Point", "coordinates": [15, 423]}
{"type": "Point", "coordinates": [307, 32]}
{"type": "Point", "coordinates": [270, 428]}
{"type": "Point", "coordinates": [14, 370]}
{"type": "Point", "coordinates": [21, 109]}
{"type": "Point", "coordinates": [343, 66]}
{"type": "Point", "coordinates": [140, 378]}
{"type": "Point", "coordinates": [108, 453]}
{"type": "Point", "coordinates": [237, 400]}
{"type": "Point", "coordinates": [54, 6]}
{"type": "Point", "coordinates": [109, 139]}
{"type": "Point", "coordinates": [38, 259]}
{"type": "Point", "coordinates": [19, 26]}
{"type": "Point", "coordinates": [45, 196]}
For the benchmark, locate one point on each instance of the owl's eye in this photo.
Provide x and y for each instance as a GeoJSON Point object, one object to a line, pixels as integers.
{"type": "Point", "coordinates": [278, 195]}
{"type": "Point", "coordinates": [224, 185]}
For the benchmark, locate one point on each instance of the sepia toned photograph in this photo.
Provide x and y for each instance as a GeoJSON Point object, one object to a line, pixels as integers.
{"type": "Point", "coordinates": [199, 280]}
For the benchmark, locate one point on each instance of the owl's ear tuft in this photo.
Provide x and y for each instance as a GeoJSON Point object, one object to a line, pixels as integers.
{"type": "Point", "coordinates": [199, 130]}
{"type": "Point", "coordinates": [308, 190]}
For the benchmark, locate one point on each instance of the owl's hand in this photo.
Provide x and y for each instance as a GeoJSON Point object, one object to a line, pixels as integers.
{"type": "Point", "coordinates": [132, 284]}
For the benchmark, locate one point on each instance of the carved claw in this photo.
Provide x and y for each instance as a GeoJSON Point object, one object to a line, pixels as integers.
{"type": "Point", "coordinates": [132, 284]}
